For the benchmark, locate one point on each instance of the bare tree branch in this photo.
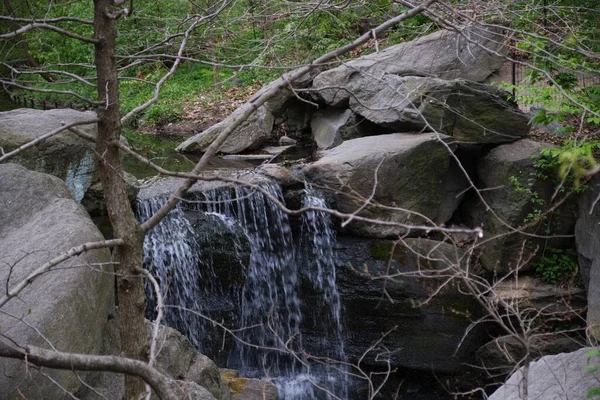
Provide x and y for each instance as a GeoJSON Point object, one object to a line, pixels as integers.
{"type": "Point", "coordinates": [75, 251]}
{"type": "Point", "coordinates": [83, 362]}
{"type": "Point", "coordinates": [6, 156]}
{"type": "Point", "coordinates": [42, 25]}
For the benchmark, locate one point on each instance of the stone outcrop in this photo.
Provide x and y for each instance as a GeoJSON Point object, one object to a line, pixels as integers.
{"type": "Point", "coordinates": [517, 196]}
{"type": "Point", "coordinates": [587, 237]}
{"type": "Point", "coordinates": [409, 170]}
{"type": "Point", "coordinates": [65, 155]}
{"type": "Point", "coordinates": [557, 377]}
{"type": "Point", "coordinates": [69, 306]}
{"type": "Point", "coordinates": [530, 292]}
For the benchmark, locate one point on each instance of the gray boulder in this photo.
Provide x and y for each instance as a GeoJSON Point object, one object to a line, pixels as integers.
{"type": "Point", "coordinates": [587, 237]}
{"type": "Point", "coordinates": [65, 155]}
{"type": "Point", "coordinates": [330, 126]}
{"type": "Point", "coordinates": [248, 136]}
{"type": "Point", "coordinates": [413, 174]}
{"type": "Point", "coordinates": [177, 358]}
{"type": "Point", "coordinates": [326, 127]}
{"type": "Point", "coordinates": [519, 195]}
{"type": "Point", "coordinates": [473, 54]}
{"type": "Point", "coordinates": [558, 377]}
{"type": "Point", "coordinates": [70, 305]}
{"type": "Point", "coordinates": [471, 112]}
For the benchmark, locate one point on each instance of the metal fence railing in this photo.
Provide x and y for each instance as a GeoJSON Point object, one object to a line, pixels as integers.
{"type": "Point", "coordinates": [525, 93]}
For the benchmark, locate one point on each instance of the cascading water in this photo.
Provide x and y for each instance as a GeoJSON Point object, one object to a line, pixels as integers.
{"type": "Point", "coordinates": [269, 305]}
{"type": "Point", "coordinates": [316, 247]}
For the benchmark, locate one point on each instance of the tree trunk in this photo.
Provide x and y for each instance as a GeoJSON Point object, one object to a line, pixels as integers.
{"type": "Point", "coordinates": [130, 290]}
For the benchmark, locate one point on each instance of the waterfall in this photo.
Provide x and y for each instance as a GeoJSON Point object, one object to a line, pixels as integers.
{"type": "Point", "coordinates": [270, 302]}
{"type": "Point", "coordinates": [267, 303]}
{"type": "Point", "coordinates": [317, 241]}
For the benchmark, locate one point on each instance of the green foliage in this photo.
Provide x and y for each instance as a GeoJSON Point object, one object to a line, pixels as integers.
{"type": "Point", "coordinates": [557, 266]}
{"type": "Point", "coordinates": [569, 163]}
{"type": "Point", "coordinates": [533, 196]}
{"type": "Point", "coordinates": [595, 391]}
{"type": "Point", "coordinates": [271, 35]}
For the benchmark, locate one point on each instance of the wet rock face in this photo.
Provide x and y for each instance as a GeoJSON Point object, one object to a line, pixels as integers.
{"type": "Point", "coordinates": [65, 155]}
{"type": "Point", "coordinates": [418, 338]}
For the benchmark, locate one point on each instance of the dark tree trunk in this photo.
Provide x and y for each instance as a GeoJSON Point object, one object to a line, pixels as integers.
{"type": "Point", "coordinates": [130, 290]}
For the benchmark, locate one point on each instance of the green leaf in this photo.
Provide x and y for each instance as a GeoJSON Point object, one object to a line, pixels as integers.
{"type": "Point", "coordinates": [593, 392]}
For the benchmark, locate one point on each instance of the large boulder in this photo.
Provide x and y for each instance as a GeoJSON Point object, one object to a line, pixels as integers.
{"type": "Point", "coordinates": [421, 335]}
{"type": "Point", "coordinates": [249, 135]}
{"type": "Point", "coordinates": [469, 111]}
{"type": "Point", "coordinates": [178, 359]}
{"type": "Point", "coordinates": [67, 307]}
{"type": "Point", "coordinates": [414, 175]}
{"type": "Point", "coordinates": [517, 193]}
{"type": "Point", "coordinates": [289, 114]}
{"type": "Point", "coordinates": [473, 54]}
{"type": "Point", "coordinates": [558, 377]}
{"type": "Point", "coordinates": [587, 238]}
{"type": "Point", "coordinates": [65, 155]}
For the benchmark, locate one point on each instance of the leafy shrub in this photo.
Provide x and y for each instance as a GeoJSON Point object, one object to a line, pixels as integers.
{"type": "Point", "coordinates": [557, 265]}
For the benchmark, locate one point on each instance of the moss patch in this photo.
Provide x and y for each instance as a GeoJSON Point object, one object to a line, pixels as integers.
{"type": "Point", "coordinates": [380, 250]}
{"type": "Point", "coordinates": [235, 383]}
